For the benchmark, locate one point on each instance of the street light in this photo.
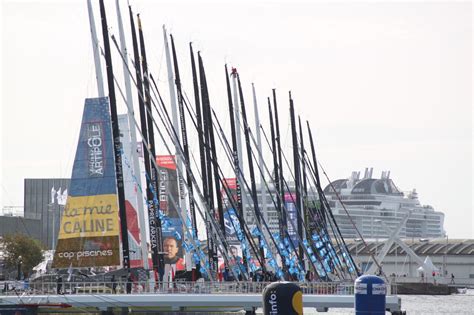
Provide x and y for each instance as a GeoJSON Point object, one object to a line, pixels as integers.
{"type": "Point", "coordinates": [20, 261]}
{"type": "Point", "coordinates": [445, 257]}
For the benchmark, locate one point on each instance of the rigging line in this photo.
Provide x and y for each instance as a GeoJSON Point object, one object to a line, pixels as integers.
{"type": "Point", "coordinates": [224, 243]}
{"type": "Point", "coordinates": [274, 203]}
{"type": "Point", "coordinates": [222, 139]}
{"type": "Point", "coordinates": [253, 154]}
{"type": "Point", "coordinates": [288, 188]}
{"type": "Point", "coordinates": [352, 222]}
{"type": "Point", "coordinates": [154, 163]}
{"type": "Point", "coordinates": [136, 123]}
{"type": "Point", "coordinates": [284, 206]}
{"type": "Point", "coordinates": [332, 222]}
{"type": "Point", "coordinates": [246, 186]}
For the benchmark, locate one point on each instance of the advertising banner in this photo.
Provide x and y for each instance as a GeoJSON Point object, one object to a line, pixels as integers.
{"type": "Point", "coordinates": [168, 191]}
{"type": "Point", "coordinates": [291, 217]}
{"type": "Point", "coordinates": [230, 216]}
{"type": "Point", "coordinates": [132, 193]}
{"type": "Point", "coordinates": [89, 231]}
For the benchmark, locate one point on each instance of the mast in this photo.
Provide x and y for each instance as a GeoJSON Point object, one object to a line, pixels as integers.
{"type": "Point", "coordinates": [316, 173]}
{"type": "Point", "coordinates": [263, 193]}
{"type": "Point", "coordinates": [235, 155]}
{"type": "Point", "coordinates": [184, 136]}
{"type": "Point", "coordinates": [175, 125]}
{"type": "Point", "coordinates": [213, 258]}
{"type": "Point", "coordinates": [95, 49]}
{"type": "Point", "coordinates": [276, 180]}
{"type": "Point", "coordinates": [238, 138]}
{"type": "Point", "coordinates": [251, 170]}
{"type": "Point", "coordinates": [116, 137]}
{"type": "Point", "coordinates": [148, 134]}
{"type": "Point", "coordinates": [308, 221]}
{"type": "Point", "coordinates": [133, 136]}
{"type": "Point", "coordinates": [296, 163]}
{"type": "Point", "coordinates": [280, 166]}
{"type": "Point", "coordinates": [200, 131]}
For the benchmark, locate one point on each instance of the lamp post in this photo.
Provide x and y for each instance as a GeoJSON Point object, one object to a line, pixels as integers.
{"type": "Point", "coordinates": [445, 258]}
{"type": "Point", "coordinates": [20, 262]}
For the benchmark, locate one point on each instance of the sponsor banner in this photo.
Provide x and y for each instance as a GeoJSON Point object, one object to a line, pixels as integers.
{"type": "Point", "coordinates": [90, 216]}
{"type": "Point", "coordinates": [87, 252]}
{"type": "Point", "coordinates": [379, 289]}
{"type": "Point", "coordinates": [360, 288]}
{"type": "Point", "coordinates": [230, 216]}
{"type": "Point", "coordinates": [89, 231]}
{"type": "Point", "coordinates": [291, 217]}
{"type": "Point", "coordinates": [173, 232]}
{"type": "Point", "coordinates": [132, 193]}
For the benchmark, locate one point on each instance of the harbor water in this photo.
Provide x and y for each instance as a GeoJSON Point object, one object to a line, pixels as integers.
{"type": "Point", "coordinates": [424, 305]}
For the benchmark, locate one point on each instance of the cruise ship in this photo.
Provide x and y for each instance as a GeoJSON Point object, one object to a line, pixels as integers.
{"type": "Point", "coordinates": [369, 201]}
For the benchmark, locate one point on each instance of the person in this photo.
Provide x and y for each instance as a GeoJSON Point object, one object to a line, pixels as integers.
{"type": "Point", "coordinates": [114, 284]}
{"type": "Point", "coordinates": [170, 247]}
{"type": "Point", "coordinates": [452, 278]}
{"type": "Point", "coordinates": [5, 288]}
{"type": "Point", "coordinates": [59, 286]}
{"type": "Point", "coordinates": [129, 284]}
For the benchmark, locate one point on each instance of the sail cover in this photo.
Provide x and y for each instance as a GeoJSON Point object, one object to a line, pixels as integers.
{"type": "Point", "coordinates": [89, 232]}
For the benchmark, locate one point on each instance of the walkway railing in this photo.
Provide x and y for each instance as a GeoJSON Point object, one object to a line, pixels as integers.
{"type": "Point", "coordinates": [137, 287]}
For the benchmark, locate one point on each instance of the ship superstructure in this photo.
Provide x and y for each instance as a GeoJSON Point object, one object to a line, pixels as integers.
{"type": "Point", "coordinates": [372, 200]}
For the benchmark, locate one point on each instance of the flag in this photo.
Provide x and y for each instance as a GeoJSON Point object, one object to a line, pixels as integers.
{"type": "Point", "coordinates": [69, 272]}
{"type": "Point", "coordinates": [63, 200]}
{"type": "Point", "coordinates": [58, 195]}
{"type": "Point", "coordinates": [53, 193]}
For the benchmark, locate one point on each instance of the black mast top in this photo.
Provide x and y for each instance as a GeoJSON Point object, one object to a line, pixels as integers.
{"type": "Point", "coordinates": [296, 163]}
{"type": "Point", "coordinates": [116, 136]}
{"type": "Point", "coordinates": [151, 141]}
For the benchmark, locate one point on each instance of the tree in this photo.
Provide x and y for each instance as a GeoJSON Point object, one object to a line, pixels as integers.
{"type": "Point", "coordinates": [22, 252]}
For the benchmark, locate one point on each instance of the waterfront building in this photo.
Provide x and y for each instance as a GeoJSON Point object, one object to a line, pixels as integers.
{"type": "Point", "coordinates": [449, 256]}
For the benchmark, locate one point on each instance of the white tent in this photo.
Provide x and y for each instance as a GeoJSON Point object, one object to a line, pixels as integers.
{"type": "Point", "coordinates": [428, 267]}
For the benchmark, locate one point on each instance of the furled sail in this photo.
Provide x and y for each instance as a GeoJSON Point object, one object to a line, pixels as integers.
{"type": "Point", "coordinates": [89, 235]}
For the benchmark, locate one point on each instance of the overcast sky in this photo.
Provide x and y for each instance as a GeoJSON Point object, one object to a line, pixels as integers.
{"type": "Point", "coordinates": [383, 85]}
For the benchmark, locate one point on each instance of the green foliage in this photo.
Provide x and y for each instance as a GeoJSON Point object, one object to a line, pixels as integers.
{"type": "Point", "coordinates": [19, 245]}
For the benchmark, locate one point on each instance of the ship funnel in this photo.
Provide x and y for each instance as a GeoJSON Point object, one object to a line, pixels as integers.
{"type": "Point", "coordinates": [366, 173]}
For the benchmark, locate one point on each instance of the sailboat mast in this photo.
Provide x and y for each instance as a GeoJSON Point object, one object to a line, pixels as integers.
{"type": "Point", "coordinates": [200, 131]}
{"type": "Point", "coordinates": [153, 192]}
{"type": "Point", "coordinates": [133, 136]}
{"type": "Point", "coordinates": [305, 204]}
{"type": "Point", "coordinates": [280, 165]}
{"type": "Point", "coordinates": [116, 137]}
{"type": "Point", "coordinates": [316, 173]}
{"type": "Point", "coordinates": [276, 180]}
{"type": "Point", "coordinates": [296, 163]}
{"type": "Point", "coordinates": [175, 125]}
{"type": "Point", "coordinates": [184, 137]}
{"type": "Point", "coordinates": [238, 138]}
{"type": "Point", "coordinates": [95, 49]}
{"type": "Point", "coordinates": [263, 193]}
{"type": "Point", "coordinates": [251, 169]}
{"type": "Point", "coordinates": [213, 261]}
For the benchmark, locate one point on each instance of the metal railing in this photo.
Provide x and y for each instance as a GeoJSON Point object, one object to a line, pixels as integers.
{"type": "Point", "coordinates": [176, 287]}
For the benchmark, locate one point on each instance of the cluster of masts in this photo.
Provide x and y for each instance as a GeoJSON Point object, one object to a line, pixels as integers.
{"type": "Point", "coordinates": [316, 247]}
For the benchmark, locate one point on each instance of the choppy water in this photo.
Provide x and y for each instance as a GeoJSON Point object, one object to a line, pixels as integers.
{"type": "Point", "coordinates": [424, 305]}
